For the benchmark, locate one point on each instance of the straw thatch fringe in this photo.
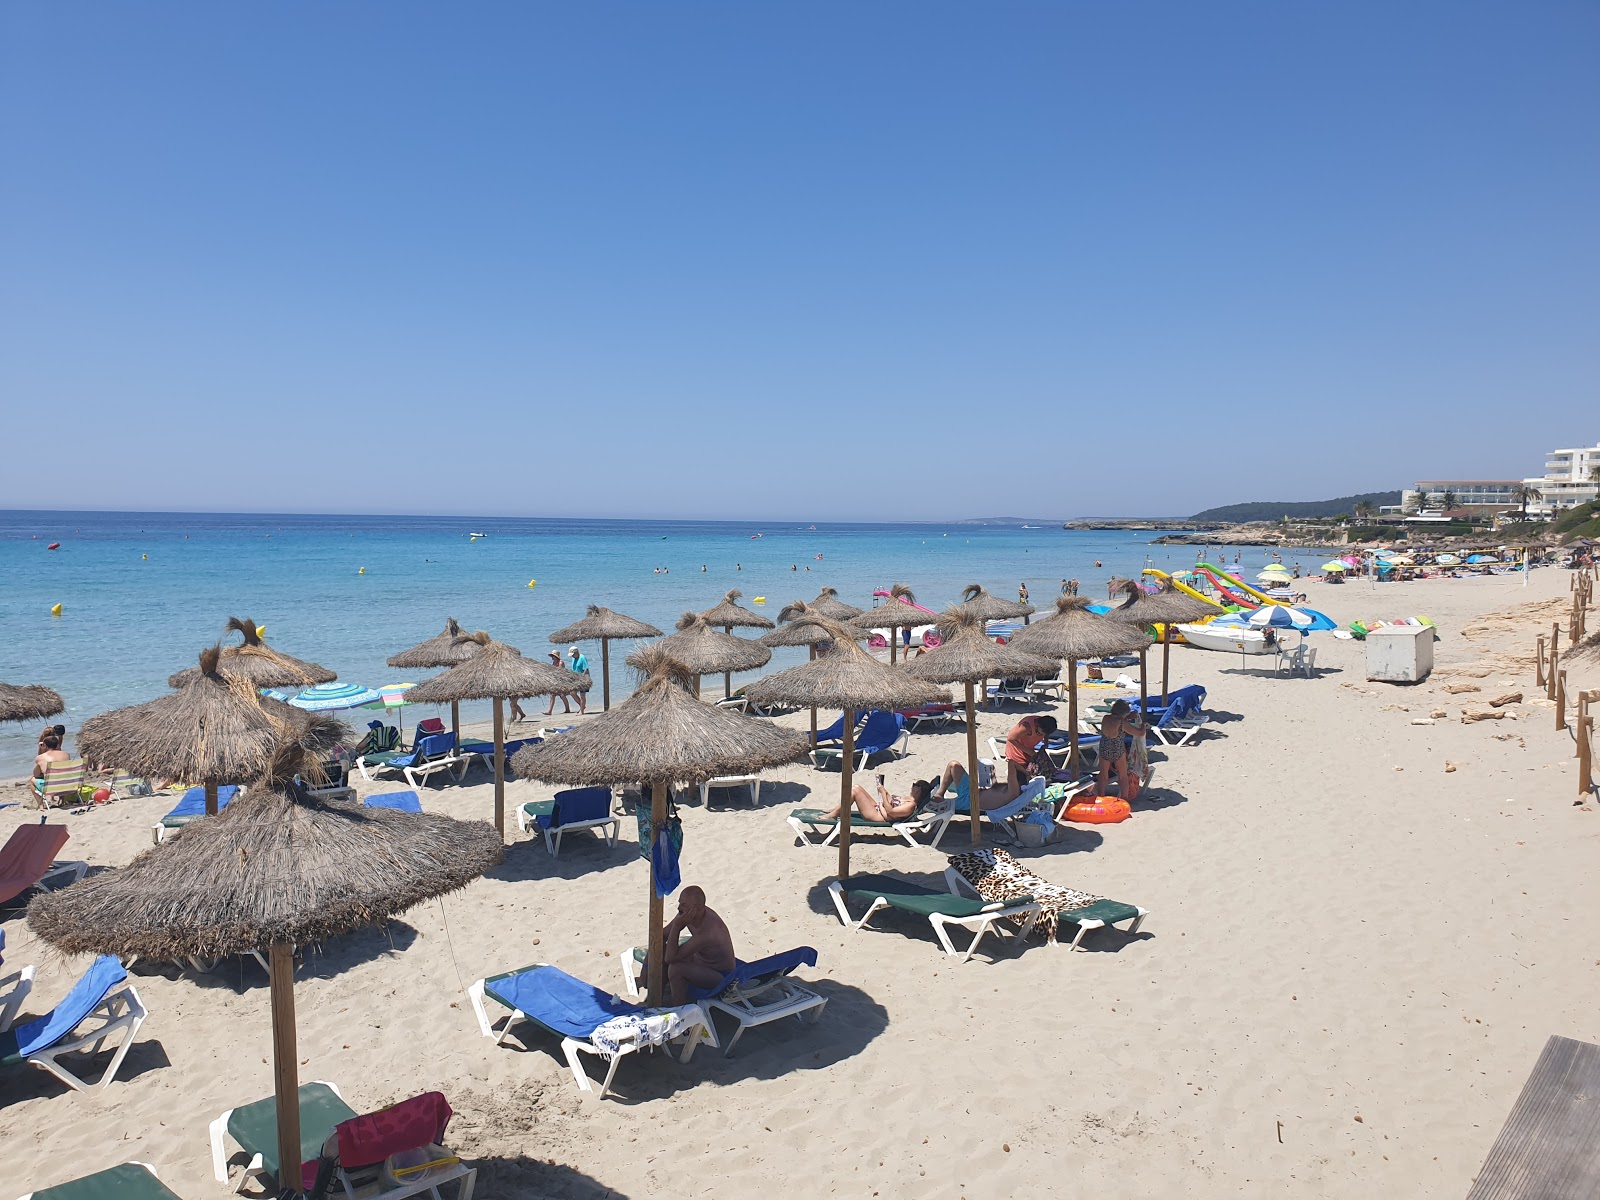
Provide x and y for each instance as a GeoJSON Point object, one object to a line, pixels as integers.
{"type": "Point", "coordinates": [827, 604]}
{"type": "Point", "coordinates": [986, 606]}
{"type": "Point", "coordinates": [495, 671]}
{"type": "Point", "coordinates": [1166, 605]}
{"type": "Point", "coordinates": [275, 866]}
{"type": "Point", "coordinates": [661, 732]}
{"type": "Point", "coordinates": [259, 664]}
{"type": "Point", "coordinates": [894, 612]}
{"type": "Point", "coordinates": [968, 655]}
{"type": "Point", "coordinates": [1072, 631]}
{"type": "Point", "coordinates": [28, 702]}
{"type": "Point", "coordinates": [444, 649]}
{"type": "Point", "coordinates": [707, 651]}
{"type": "Point", "coordinates": [603, 623]}
{"type": "Point", "coordinates": [846, 677]}
{"type": "Point", "coordinates": [728, 614]}
{"type": "Point", "coordinates": [794, 630]}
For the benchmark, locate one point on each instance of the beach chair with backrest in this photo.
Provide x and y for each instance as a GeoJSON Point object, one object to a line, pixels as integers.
{"type": "Point", "coordinates": [1176, 726]}
{"type": "Point", "coordinates": [433, 754]}
{"type": "Point", "coordinates": [942, 909]}
{"type": "Point", "coordinates": [125, 1181]}
{"type": "Point", "coordinates": [1017, 691]}
{"type": "Point", "coordinates": [753, 993]}
{"type": "Point", "coordinates": [390, 1154]}
{"type": "Point", "coordinates": [928, 714]}
{"type": "Point", "coordinates": [254, 1129]}
{"type": "Point", "coordinates": [832, 735]}
{"type": "Point", "coordinates": [28, 860]}
{"type": "Point", "coordinates": [586, 1019]}
{"type": "Point", "coordinates": [102, 1000]}
{"type": "Point", "coordinates": [191, 808]}
{"type": "Point", "coordinates": [813, 828]}
{"type": "Point", "coordinates": [880, 733]}
{"type": "Point", "coordinates": [750, 782]}
{"type": "Point", "coordinates": [125, 784]}
{"type": "Point", "coordinates": [569, 811]}
{"type": "Point", "coordinates": [993, 875]}
{"type": "Point", "coordinates": [62, 783]}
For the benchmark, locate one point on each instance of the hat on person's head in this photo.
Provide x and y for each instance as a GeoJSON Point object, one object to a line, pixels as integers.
{"type": "Point", "coordinates": [374, 724]}
{"type": "Point", "coordinates": [572, 649]}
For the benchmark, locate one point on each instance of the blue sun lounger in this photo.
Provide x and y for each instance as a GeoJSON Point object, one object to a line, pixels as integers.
{"type": "Point", "coordinates": [573, 1010]}
{"type": "Point", "coordinates": [400, 801]}
{"type": "Point", "coordinates": [753, 993]}
{"type": "Point", "coordinates": [190, 808]}
{"type": "Point", "coordinates": [882, 732]}
{"type": "Point", "coordinates": [568, 811]}
{"type": "Point", "coordinates": [96, 997]}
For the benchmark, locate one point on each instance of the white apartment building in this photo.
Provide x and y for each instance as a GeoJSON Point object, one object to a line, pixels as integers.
{"type": "Point", "coordinates": [1568, 480]}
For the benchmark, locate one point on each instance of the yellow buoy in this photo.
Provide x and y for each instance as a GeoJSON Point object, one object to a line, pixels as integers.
{"type": "Point", "coordinates": [261, 631]}
{"type": "Point", "coordinates": [761, 599]}
{"type": "Point", "coordinates": [55, 610]}
{"type": "Point", "coordinates": [473, 538]}
{"type": "Point", "coordinates": [361, 571]}
{"type": "Point", "coordinates": [144, 557]}
{"type": "Point", "coordinates": [533, 583]}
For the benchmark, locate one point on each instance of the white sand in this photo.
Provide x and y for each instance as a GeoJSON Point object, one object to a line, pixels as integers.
{"type": "Point", "coordinates": [1347, 944]}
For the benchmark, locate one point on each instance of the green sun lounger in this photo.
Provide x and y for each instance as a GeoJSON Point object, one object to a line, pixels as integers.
{"type": "Point", "coordinates": [813, 827]}
{"type": "Point", "coordinates": [254, 1127]}
{"type": "Point", "coordinates": [125, 1181]}
{"type": "Point", "coordinates": [940, 908]}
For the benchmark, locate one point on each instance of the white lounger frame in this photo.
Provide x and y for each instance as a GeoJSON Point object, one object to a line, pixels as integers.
{"type": "Point", "coordinates": [977, 924]}
{"type": "Point", "coordinates": [783, 997]}
{"type": "Point", "coordinates": [20, 983]}
{"type": "Point", "coordinates": [610, 825]}
{"type": "Point", "coordinates": [936, 819]}
{"type": "Point", "coordinates": [698, 1031]}
{"type": "Point", "coordinates": [958, 883]}
{"type": "Point", "coordinates": [120, 1012]}
{"type": "Point", "coordinates": [753, 782]}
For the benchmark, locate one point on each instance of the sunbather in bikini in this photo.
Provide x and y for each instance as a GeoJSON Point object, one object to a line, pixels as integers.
{"type": "Point", "coordinates": [883, 806]}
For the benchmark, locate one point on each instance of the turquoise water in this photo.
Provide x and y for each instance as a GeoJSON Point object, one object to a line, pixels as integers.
{"type": "Point", "coordinates": [141, 593]}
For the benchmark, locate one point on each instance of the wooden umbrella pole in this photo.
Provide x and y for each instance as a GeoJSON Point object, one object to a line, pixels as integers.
{"type": "Point", "coordinates": [973, 806]}
{"type": "Point", "coordinates": [1072, 716]}
{"type": "Point", "coordinates": [455, 721]}
{"type": "Point", "coordinates": [1144, 691]}
{"type": "Point", "coordinates": [727, 676]}
{"type": "Point", "coordinates": [285, 1064]}
{"type": "Point", "coordinates": [211, 799]}
{"type": "Point", "coordinates": [894, 637]}
{"type": "Point", "coordinates": [847, 803]}
{"type": "Point", "coordinates": [656, 971]}
{"type": "Point", "coordinates": [812, 657]}
{"type": "Point", "coordinates": [500, 766]}
{"type": "Point", "coordinates": [605, 674]}
{"type": "Point", "coordinates": [1166, 661]}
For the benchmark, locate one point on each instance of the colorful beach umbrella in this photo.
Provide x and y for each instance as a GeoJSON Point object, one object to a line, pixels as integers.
{"type": "Point", "coordinates": [1282, 616]}
{"type": "Point", "coordinates": [328, 697]}
{"type": "Point", "coordinates": [1336, 567]}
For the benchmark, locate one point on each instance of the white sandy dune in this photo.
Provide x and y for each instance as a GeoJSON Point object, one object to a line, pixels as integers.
{"type": "Point", "coordinates": [1353, 959]}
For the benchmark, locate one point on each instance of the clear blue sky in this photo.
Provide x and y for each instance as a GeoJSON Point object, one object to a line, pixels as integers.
{"type": "Point", "coordinates": [821, 260]}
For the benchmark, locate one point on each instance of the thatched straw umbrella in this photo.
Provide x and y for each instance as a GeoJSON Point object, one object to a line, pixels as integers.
{"type": "Point", "coordinates": [706, 651]}
{"type": "Point", "coordinates": [1073, 632]}
{"type": "Point", "coordinates": [966, 655]}
{"type": "Point", "coordinates": [28, 702]}
{"type": "Point", "coordinates": [895, 613]}
{"type": "Point", "coordinates": [850, 679]}
{"type": "Point", "coordinates": [211, 731]}
{"type": "Point", "coordinates": [496, 672]}
{"type": "Point", "coordinates": [444, 649]}
{"type": "Point", "coordinates": [603, 625]}
{"type": "Point", "coordinates": [792, 631]}
{"type": "Point", "coordinates": [660, 735]}
{"type": "Point", "coordinates": [1166, 607]}
{"type": "Point", "coordinates": [828, 605]}
{"type": "Point", "coordinates": [729, 615]}
{"type": "Point", "coordinates": [258, 664]}
{"type": "Point", "coordinates": [275, 869]}
{"type": "Point", "coordinates": [985, 605]}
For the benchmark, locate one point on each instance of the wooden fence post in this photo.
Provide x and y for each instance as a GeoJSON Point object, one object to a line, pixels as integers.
{"type": "Point", "coordinates": [1538, 664]}
{"type": "Point", "coordinates": [1561, 700]}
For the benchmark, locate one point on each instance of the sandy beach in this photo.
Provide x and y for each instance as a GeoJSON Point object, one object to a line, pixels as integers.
{"type": "Point", "coordinates": [1353, 958]}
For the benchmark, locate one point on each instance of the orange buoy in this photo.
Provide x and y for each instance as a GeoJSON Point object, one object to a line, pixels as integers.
{"type": "Point", "coordinates": [1098, 810]}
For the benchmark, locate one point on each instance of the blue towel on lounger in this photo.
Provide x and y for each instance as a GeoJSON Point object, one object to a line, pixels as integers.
{"type": "Point", "coordinates": [193, 804]}
{"type": "Point", "coordinates": [43, 1032]}
{"type": "Point", "coordinates": [558, 1001]}
{"type": "Point", "coordinates": [402, 801]}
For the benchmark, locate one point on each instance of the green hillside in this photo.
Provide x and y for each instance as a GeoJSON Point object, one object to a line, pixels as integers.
{"type": "Point", "coordinates": [1276, 510]}
{"type": "Point", "coordinates": [1583, 521]}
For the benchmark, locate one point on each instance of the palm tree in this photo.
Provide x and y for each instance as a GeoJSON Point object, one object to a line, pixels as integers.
{"type": "Point", "coordinates": [1525, 494]}
{"type": "Point", "coordinates": [1364, 511]}
{"type": "Point", "coordinates": [1594, 473]}
{"type": "Point", "coordinates": [1447, 501]}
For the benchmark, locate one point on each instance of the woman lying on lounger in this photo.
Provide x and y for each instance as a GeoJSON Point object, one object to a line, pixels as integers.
{"type": "Point", "coordinates": [883, 806]}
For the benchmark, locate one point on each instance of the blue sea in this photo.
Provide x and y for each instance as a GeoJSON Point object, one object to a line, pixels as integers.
{"type": "Point", "coordinates": [142, 593]}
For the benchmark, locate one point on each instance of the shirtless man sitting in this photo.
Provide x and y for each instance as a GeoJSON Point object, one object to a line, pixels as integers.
{"type": "Point", "coordinates": [703, 958]}
{"type": "Point", "coordinates": [50, 751]}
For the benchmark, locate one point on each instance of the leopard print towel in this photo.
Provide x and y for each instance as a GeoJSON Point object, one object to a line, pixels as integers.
{"type": "Point", "coordinates": [998, 876]}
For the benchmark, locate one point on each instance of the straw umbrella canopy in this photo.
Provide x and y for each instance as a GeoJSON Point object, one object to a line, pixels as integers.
{"type": "Point", "coordinates": [275, 869]}
{"type": "Point", "coordinates": [444, 649]}
{"type": "Point", "coordinates": [978, 600]}
{"type": "Point", "coordinates": [1165, 607]}
{"type": "Point", "coordinates": [1073, 632]}
{"type": "Point", "coordinates": [213, 730]}
{"type": "Point", "coordinates": [827, 604]}
{"type": "Point", "coordinates": [706, 651]}
{"type": "Point", "coordinates": [728, 616]}
{"type": "Point", "coordinates": [968, 656]}
{"type": "Point", "coordinates": [258, 664]}
{"type": "Point", "coordinates": [850, 679]}
{"type": "Point", "coordinates": [895, 613]}
{"type": "Point", "coordinates": [660, 735]}
{"type": "Point", "coordinates": [603, 625]}
{"type": "Point", "coordinates": [28, 702]}
{"type": "Point", "coordinates": [496, 672]}
{"type": "Point", "coordinates": [792, 631]}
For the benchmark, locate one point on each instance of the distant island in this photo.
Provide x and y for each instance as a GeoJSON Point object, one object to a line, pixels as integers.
{"type": "Point", "coordinates": [1276, 510]}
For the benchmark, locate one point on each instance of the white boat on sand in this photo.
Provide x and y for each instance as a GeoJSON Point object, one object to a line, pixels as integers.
{"type": "Point", "coordinates": [1233, 640]}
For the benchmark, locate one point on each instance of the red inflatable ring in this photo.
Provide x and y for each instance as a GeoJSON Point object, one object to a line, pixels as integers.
{"type": "Point", "coordinates": [1098, 810]}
